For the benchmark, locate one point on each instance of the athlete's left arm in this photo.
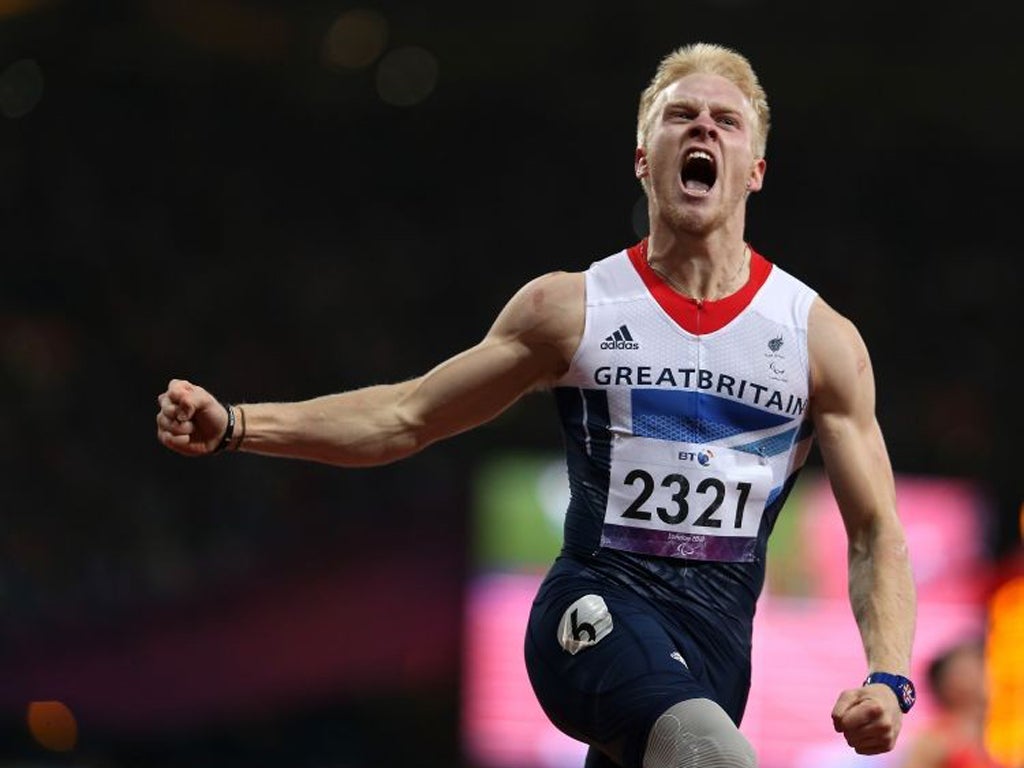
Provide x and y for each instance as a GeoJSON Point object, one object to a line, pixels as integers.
{"type": "Point", "coordinates": [881, 585]}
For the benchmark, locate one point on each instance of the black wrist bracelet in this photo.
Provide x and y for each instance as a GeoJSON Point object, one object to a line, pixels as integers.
{"type": "Point", "coordinates": [241, 434]}
{"type": "Point", "coordinates": [227, 432]}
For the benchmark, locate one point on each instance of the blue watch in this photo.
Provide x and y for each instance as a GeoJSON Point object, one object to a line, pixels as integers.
{"type": "Point", "coordinates": [905, 692]}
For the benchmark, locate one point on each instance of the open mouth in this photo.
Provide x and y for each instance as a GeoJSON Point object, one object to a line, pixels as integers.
{"type": "Point", "coordinates": [699, 173]}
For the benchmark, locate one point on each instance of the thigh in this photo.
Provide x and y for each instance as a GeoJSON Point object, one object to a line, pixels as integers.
{"type": "Point", "coordinates": [605, 666]}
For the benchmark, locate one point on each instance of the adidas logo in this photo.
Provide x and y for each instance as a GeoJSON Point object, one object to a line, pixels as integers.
{"type": "Point", "coordinates": [621, 339]}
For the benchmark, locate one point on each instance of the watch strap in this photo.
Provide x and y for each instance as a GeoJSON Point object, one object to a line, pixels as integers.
{"type": "Point", "coordinates": [904, 689]}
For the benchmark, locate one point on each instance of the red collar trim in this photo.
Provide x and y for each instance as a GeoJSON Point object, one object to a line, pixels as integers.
{"type": "Point", "coordinates": [694, 316]}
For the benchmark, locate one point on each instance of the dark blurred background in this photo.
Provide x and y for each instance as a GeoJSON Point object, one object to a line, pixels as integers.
{"type": "Point", "coordinates": [283, 199]}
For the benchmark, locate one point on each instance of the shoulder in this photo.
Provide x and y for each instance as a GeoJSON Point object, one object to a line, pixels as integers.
{"type": "Point", "coordinates": [554, 289]}
{"type": "Point", "coordinates": [545, 300]}
{"type": "Point", "coordinates": [546, 313]}
{"type": "Point", "coordinates": [829, 329]}
{"type": "Point", "coordinates": [839, 359]}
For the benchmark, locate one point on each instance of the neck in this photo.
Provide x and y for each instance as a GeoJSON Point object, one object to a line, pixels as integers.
{"type": "Point", "coordinates": [702, 268]}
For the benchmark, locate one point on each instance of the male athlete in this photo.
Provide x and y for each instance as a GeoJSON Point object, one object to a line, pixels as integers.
{"type": "Point", "coordinates": [690, 374]}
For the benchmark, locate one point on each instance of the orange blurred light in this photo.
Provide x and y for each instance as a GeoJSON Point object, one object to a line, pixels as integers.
{"type": "Point", "coordinates": [52, 725]}
{"type": "Point", "coordinates": [228, 27]}
{"type": "Point", "coordinates": [1005, 651]}
{"type": "Point", "coordinates": [15, 7]}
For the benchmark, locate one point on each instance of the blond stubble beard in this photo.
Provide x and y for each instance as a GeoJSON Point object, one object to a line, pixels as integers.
{"type": "Point", "coordinates": [696, 223]}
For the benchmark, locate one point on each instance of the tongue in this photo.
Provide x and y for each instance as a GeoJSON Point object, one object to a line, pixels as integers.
{"type": "Point", "coordinates": [693, 185]}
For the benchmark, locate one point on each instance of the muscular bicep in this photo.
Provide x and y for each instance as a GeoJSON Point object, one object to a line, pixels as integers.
{"type": "Point", "coordinates": [472, 387]}
{"type": "Point", "coordinates": [528, 346]}
{"type": "Point", "coordinates": [843, 409]}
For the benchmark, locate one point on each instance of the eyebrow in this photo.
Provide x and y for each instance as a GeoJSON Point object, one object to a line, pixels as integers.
{"type": "Point", "coordinates": [697, 103]}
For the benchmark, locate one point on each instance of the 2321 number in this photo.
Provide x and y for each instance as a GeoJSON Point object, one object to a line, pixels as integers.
{"type": "Point", "coordinates": [713, 489]}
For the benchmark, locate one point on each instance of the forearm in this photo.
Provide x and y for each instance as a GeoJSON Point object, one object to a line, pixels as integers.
{"type": "Point", "coordinates": [883, 597]}
{"type": "Point", "coordinates": [363, 427]}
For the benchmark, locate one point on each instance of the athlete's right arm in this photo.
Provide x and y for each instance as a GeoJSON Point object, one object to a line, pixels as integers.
{"type": "Point", "coordinates": [529, 345]}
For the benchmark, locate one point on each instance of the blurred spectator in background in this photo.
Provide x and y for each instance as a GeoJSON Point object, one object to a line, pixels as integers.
{"type": "Point", "coordinates": [955, 738]}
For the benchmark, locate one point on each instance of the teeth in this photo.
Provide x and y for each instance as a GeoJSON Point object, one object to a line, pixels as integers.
{"type": "Point", "coordinates": [699, 153]}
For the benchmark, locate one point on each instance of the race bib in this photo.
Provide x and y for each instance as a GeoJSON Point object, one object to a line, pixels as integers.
{"type": "Point", "coordinates": [684, 500]}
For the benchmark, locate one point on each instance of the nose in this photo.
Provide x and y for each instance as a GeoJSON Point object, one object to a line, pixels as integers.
{"type": "Point", "coordinates": [703, 126]}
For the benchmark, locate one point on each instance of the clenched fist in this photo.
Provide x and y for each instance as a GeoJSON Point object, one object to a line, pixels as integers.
{"type": "Point", "coordinates": [869, 717]}
{"type": "Point", "coordinates": [190, 421]}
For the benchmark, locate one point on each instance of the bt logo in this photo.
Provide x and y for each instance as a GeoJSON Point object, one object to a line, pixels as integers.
{"type": "Point", "coordinates": [701, 457]}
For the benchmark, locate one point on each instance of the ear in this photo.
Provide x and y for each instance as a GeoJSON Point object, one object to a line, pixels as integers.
{"type": "Point", "coordinates": [756, 179]}
{"type": "Point", "coordinates": [640, 167]}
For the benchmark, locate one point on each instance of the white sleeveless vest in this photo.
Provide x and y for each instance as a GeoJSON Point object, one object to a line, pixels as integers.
{"type": "Point", "coordinates": [704, 424]}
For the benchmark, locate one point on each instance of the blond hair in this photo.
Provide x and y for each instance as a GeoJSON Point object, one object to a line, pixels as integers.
{"type": "Point", "coordinates": [709, 59]}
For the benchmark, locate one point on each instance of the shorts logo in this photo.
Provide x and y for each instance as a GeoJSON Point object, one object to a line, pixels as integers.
{"type": "Point", "coordinates": [679, 657]}
{"type": "Point", "coordinates": [584, 624]}
{"type": "Point", "coordinates": [620, 339]}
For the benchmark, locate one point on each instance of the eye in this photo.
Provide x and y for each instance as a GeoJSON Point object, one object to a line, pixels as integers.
{"type": "Point", "coordinates": [730, 120]}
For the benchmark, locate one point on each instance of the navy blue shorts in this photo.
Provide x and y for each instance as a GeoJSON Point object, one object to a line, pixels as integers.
{"type": "Point", "coordinates": [609, 693]}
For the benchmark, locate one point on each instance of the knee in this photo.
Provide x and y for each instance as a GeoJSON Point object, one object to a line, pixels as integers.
{"type": "Point", "coordinates": [697, 734]}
